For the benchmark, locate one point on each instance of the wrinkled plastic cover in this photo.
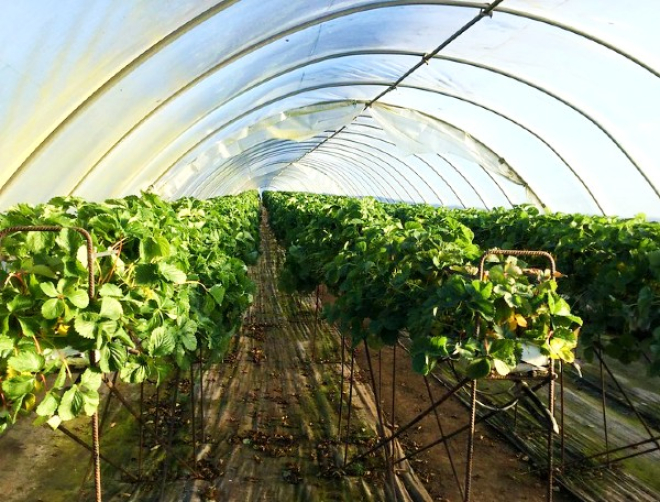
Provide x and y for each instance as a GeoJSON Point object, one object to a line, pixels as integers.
{"type": "Point", "coordinates": [551, 102]}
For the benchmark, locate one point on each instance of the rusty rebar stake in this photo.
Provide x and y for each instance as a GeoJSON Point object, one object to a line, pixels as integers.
{"type": "Point", "coordinates": [316, 323]}
{"type": "Point", "coordinates": [350, 407]}
{"type": "Point", "coordinates": [604, 408]}
{"type": "Point", "coordinates": [193, 424]}
{"type": "Point", "coordinates": [104, 417]}
{"type": "Point", "coordinates": [341, 385]}
{"type": "Point", "coordinates": [375, 391]}
{"type": "Point", "coordinates": [141, 450]}
{"type": "Point", "coordinates": [201, 395]}
{"type": "Point", "coordinates": [551, 409]}
{"type": "Point", "coordinates": [391, 447]}
{"type": "Point", "coordinates": [470, 443]}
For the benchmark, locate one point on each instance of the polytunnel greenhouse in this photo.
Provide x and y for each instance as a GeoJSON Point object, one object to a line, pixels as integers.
{"type": "Point", "coordinates": [329, 250]}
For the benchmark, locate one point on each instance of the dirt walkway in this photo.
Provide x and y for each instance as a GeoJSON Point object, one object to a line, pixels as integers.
{"type": "Point", "coordinates": [274, 410]}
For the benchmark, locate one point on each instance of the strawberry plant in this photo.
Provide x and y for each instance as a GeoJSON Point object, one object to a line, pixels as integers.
{"type": "Point", "coordinates": [169, 281]}
{"type": "Point", "coordinates": [611, 269]}
{"type": "Point", "coordinates": [415, 273]}
{"type": "Point", "coordinates": [488, 323]}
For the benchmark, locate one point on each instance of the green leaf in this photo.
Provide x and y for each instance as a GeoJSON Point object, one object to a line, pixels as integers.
{"type": "Point", "coordinates": [6, 345]}
{"type": "Point", "coordinates": [154, 247]}
{"type": "Point", "coordinates": [218, 293]}
{"type": "Point", "coordinates": [108, 328]}
{"type": "Point", "coordinates": [104, 359]}
{"type": "Point", "coordinates": [44, 271]}
{"type": "Point", "coordinates": [135, 372]}
{"type": "Point", "coordinates": [91, 401]}
{"type": "Point", "coordinates": [172, 273]}
{"type": "Point", "coordinates": [558, 306]}
{"type": "Point", "coordinates": [654, 259]}
{"type": "Point", "coordinates": [17, 405]}
{"type": "Point", "coordinates": [49, 289]}
{"type": "Point", "coordinates": [39, 421]}
{"type": "Point", "coordinates": [29, 325]}
{"type": "Point", "coordinates": [111, 290]}
{"type": "Point", "coordinates": [187, 336]}
{"type": "Point", "coordinates": [61, 378]}
{"type": "Point", "coordinates": [52, 308]}
{"type": "Point", "coordinates": [27, 361]}
{"type": "Point", "coordinates": [501, 367]}
{"type": "Point", "coordinates": [161, 342]}
{"type": "Point", "coordinates": [71, 404]}
{"type": "Point", "coordinates": [182, 358]}
{"type": "Point", "coordinates": [496, 274]}
{"type": "Point", "coordinates": [35, 242]}
{"type": "Point", "coordinates": [504, 350]}
{"type": "Point", "coordinates": [85, 324]}
{"type": "Point", "coordinates": [48, 405]}
{"type": "Point", "coordinates": [111, 308]}
{"type": "Point", "coordinates": [68, 240]}
{"type": "Point", "coordinates": [422, 364]}
{"type": "Point", "coordinates": [18, 386]}
{"type": "Point", "coordinates": [438, 346]}
{"type": "Point", "coordinates": [90, 379]}
{"type": "Point", "coordinates": [162, 369]}
{"type": "Point", "coordinates": [19, 303]}
{"type": "Point", "coordinates": [79, 298]}
{"type": "Point", "coordinates": [480, 367]}
{"type": "Point", "coordinates": [146, 273]}
{"type": "Point", "coordinates": [81, 255]}
{"type": "Point", "coordinates": [124, 338]}
{"type": "Point", "coordinates": [118, 355]}
{"type": "Point", "coordinates": [483, 288]}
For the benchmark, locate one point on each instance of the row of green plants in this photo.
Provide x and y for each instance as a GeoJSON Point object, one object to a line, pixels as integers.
{"type": "Point", "coordinates": [390, 274]}
{"type": "Point", "coordinates": [611, 268]}
{"type": "Point", "coordinates": [170, 279]}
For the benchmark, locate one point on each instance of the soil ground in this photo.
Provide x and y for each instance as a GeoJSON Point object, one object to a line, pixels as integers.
{"type": "Point", "coordinates": [501, 474]}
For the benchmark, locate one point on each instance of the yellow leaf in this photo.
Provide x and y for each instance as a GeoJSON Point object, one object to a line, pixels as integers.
{"type": "Point", "coordinates": [29, 402]}
{"type": "Point", "coordinates": [512, 322]}
{"type": "Point", "coordinates": [521, 321]}
{"type": "Point", "coordinates": [567, 355]}
{"type": "Point", "coordinates": [62, 329]}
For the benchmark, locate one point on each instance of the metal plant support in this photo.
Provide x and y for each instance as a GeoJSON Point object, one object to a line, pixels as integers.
{"type": "Point", "coordinates": [542, 378]}
{"type": "Point", "coordinates": [548, 377]}
{"type": "Point", "coordinates": [341, 382]}
{"type": "Point", "coordinates": [351, 380]}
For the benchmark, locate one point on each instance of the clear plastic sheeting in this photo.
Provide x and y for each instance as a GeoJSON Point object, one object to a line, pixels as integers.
{"type": "Point", "coordinates": [415, 132]}
{"type": "Point", "coordinates": [295, 125]}
{"type": "Point", "coordinates": [552, 102]}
